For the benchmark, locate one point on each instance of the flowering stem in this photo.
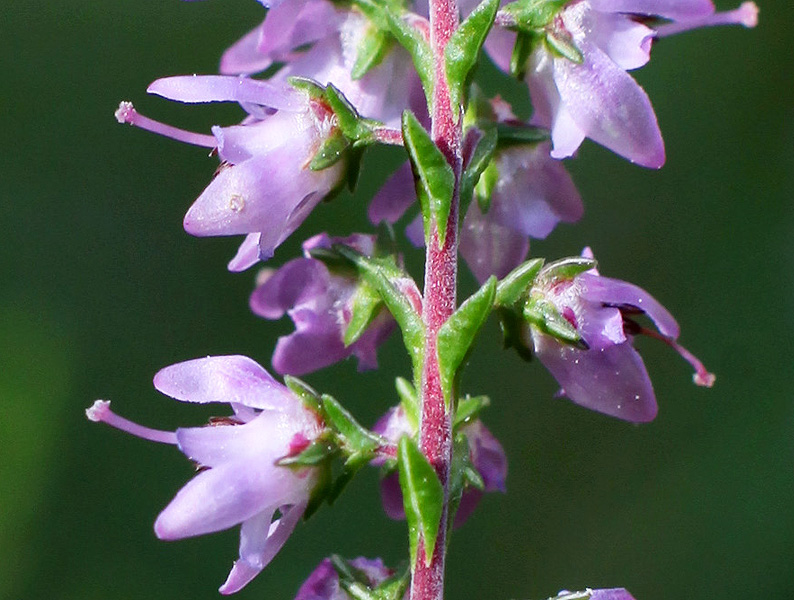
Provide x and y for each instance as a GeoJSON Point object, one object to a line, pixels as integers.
{"type": "Point", "coordinates": [435, 430]}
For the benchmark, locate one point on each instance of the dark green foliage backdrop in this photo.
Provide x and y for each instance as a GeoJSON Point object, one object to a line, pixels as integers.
{"type": "Point", "coordinates": [99, 288]}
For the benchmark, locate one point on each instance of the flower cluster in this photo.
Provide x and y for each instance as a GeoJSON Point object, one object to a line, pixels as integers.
{"type": "Point", "coordinates": [320, 81]}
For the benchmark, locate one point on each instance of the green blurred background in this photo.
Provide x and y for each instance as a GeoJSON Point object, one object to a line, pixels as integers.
{"type": "Point", "coordinates": [100, 287]}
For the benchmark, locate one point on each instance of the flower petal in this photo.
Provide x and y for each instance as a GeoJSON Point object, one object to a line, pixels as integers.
{"type": "Point", "coordinates": [260, 541]}
{"type": "Point", "coordinates": [611, 380]}
{"type": "Point", "coordinates": [244, 57]}
{"type": "Point", "coordinates": [298, 281]}
{"type": "Point", "coordinates": [614, 292]}
{"type": "Point", "coordinates": [266, 438]}
{"type": "Point", "coordinates": [225, 88]}
{"type": "Point", "coordinates": [488, 247]}
{"type": "Point", "coordinates": [247, 254]}
{"type": "Point", "coordinates": [394, 197]}
{"type": "Point", "coordinates": [670, 9]}
{"type": "Point", "coordinates": [609, 106]}
{"type": "Point", "coordinates": [236, 379]}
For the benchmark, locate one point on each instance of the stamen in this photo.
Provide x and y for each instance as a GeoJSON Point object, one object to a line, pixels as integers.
{"type": "Point", "coordinates": [746, 14]}
{"type": "Point", "coordinates": [701, 376]}
{"type": "Point", "coordinates": [99, 412]}
{"type": "Point", "coordinates": [126, 113]}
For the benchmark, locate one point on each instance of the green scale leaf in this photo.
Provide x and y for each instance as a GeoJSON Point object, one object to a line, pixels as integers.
{"type": "Point", "coordinates": [464, 46]}
{"type": "Point", "coordinates": [457, 334]}
{"type": "Point", "coordinates": [423, 497]}
{"type": "Point", "coordinates": [435, 181]}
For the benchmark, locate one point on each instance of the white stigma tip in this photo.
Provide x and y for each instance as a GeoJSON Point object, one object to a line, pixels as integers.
{"type": "Point", "coordinates": [704, 379]}
{"type": "Point", "coordinates": [124, 112]}
{"type": "Point", "coordinates": [749, 14]}
{"type": "Point", "coordinates": [98, 410]}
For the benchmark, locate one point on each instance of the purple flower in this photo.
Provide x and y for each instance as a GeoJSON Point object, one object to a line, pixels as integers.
{"type": "Point", "coordinates": [323, 583]}
{"type": "Point", "coordinates": [337, 36]}
{"type": "Point", "coordinates": [319, 301]}
{"type": "Point", "coordinates": [609, 375]}
{"type": "Point", "coordinates": [595, 97]}
{"type": "Point", "coordinates": [287, 27]}
{"type": "Point", "coordinates": [239, 480]}
{"type": "Point", "coordinates": [485, 452]}
{"type": "Point", "coordinates": [264, 187]}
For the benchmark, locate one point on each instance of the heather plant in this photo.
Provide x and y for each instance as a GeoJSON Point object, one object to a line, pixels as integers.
{"type": "Point", "coordinates": [320, 82]}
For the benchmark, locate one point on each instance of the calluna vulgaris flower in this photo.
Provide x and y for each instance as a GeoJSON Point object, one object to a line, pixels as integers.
{"type": "Point", "coordinates": [323, 583]}
{"type": "Point", "coordinates": [486, 454]}
{"type": "Point", "coordinates": [239, 481]}
{"type": "Point", "coordinates": [264, 187]}
{"type": "Point", "coordinates": [609, 376]}
{"type": "Point", "coordinates": [595, 97]}
{"type": "Point", "coordinates": [319, 302]}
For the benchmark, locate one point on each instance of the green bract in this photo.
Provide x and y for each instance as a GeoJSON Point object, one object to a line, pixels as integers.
{"type": "Point", "coordinates": [435, 181]}
{"type": "Point", "coordinates": [423, 497]}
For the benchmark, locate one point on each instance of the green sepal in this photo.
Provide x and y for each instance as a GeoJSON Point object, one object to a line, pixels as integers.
{"type": "Point", "coordinates": [423, 497]}
{"type": "Point", "coordinates": [463, 48]}
{"type": "Point", "coordinates": [517, 282]}
{"type": "Point", "coordinates": [542, 314]}
{"type": "Point", "coordinates": [346, 116]}
{"type": "Point", "coordinates": [356, 583]}
{"type": "Point", "coordinates": [525, 44]}
{"type": "Point", "coordinates": [388, 16]}
{"type": "Point", "coordinates": [483, 191]}
{"type": "Point", "coordinates": [532, 15]}
{"type": "Point", "coordinates": [308, 86]}
{"type": "Point", "coordinates": [469, 409]}
{"type": "Point", "coordinates": [394, 587]}
{"type": "Point", "coordinates": [562, 44]}
{"type": "Point", "coordinates": [567, 268]}
{"type": "Point", "coordinates": [372, 49]}
{"type": "Point", "coordinates": [457, 334]}
{"type": "Point", "coordinates": [434, 178]}
{"type": "Point", "coordinates": [380, 273]}
{"type": "Point", "coordinates": [409, 400]}
{"type": "Point", "coordinates": [354, 156]}
{"type": "Point", "coordinates": [513, 326]}
{"type": "Point", "coordinates": [331, 151]}
{"type": "Point", "coordinates": [307, 394]}
{"type": "Point", "coordinates": [478, 163]}
{"type": "Point", "coordinates": [314, 454]}
{"type": "Point", "coordinates": [515, 134]}
{"type": "Point", "coordinates": [364, 308]}
{"type": "Point", "coordinates": [355, 440]}
{"type": "Point", "coordinates": [320, 490]}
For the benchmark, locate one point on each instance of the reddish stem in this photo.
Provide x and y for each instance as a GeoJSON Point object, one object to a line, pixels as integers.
{"type": "Point", "coordinates": [435, 428]}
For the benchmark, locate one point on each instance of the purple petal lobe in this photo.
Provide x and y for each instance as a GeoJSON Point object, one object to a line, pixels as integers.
{"type": "Point", "coordinates": [622, 294]}
{"type": "Point", "coordinates": [394, 198]}
{"type": "Point", "coordinates": [670, 9]}
{"type": "Point", "coordinates": [260, 541]}
{"type": "Point", "coordinates": [298, 281]}
{"type": "Point", "coordinates": [223, 379]}
{"type": "Point", "coordinates": [611, 380]}
{"type": "Point", "coordinates": [609, 106]}
{"type": "Point", "coordinates": [488, 247]}
{"type": "Point", "coordinates": [223, 88]}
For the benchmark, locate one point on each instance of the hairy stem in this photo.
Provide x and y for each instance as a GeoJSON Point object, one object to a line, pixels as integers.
{"type": "Point", "coordinates": [435, 431]}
